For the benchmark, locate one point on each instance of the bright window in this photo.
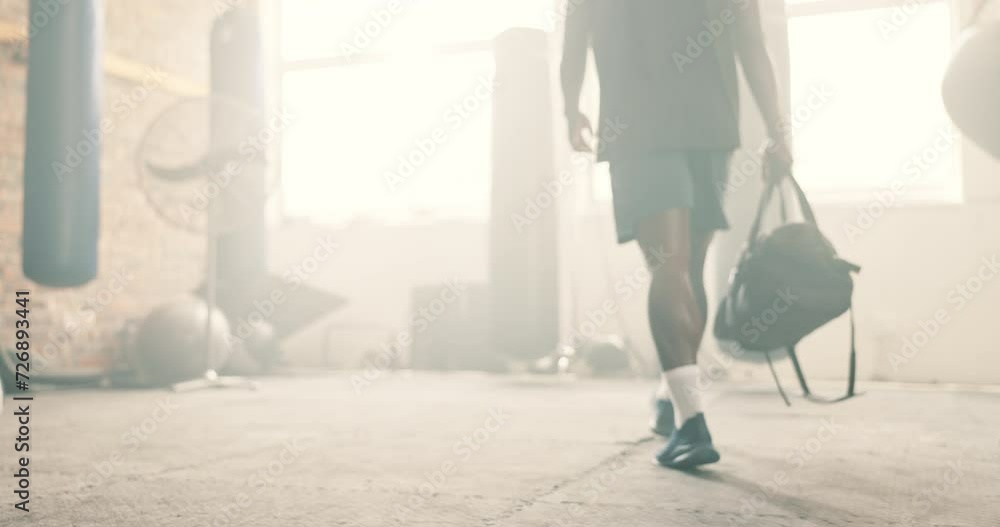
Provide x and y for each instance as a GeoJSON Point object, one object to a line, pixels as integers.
{"type": "Point", "coordinates": [355, 148]}
{"type": "Point", "coordinates": [384, 140]}
{"type": "Point", "coordinates": [322, 28]}
{"type": "Point", "coordinates": [882, 122]}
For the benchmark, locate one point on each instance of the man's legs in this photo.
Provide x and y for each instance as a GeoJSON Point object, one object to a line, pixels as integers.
{"type": "Point", "coordinates": [700, 242]}
{"type": "Point", "coordinates": [663, 421]}
{"type": "Point", "coordinates": [678, 315]}
{"type": "Point", "coordinates": [675, 318]}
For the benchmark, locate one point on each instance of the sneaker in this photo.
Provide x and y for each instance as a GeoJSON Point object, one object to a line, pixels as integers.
{"type": "Point", "coordinates": [689, 447]}
{"type": "Point", "coordinates": [663, 418]}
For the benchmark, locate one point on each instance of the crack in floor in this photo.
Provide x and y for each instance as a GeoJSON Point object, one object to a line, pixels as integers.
{"type": "Point", "coordinates": [522, 504]}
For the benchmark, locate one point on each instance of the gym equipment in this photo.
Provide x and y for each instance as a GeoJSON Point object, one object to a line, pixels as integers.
{"type": "Point", "coordinates": [170, 342]}
{"type": "Point", "coordinates": [197, 184]}
{"type": "Point", "coordinates": [63, 145]}
{"type": "Point", "coordinates": [192, 179]}
{"type": "Point", "coordinates": [303, 305]}
{"type": "Point", "coordinates": [972, 82]}
{"type": "Point", "coordinates": [523, 258]}
{"type": "Point", "coordinates": [203, 166]}
{"type": "Point", "coordinates": [238, 75]}
{"type": "Point", "coordinates": [256, 350]}
{"type": "Point", "coordinates": [262, 345]}
{"type": "Point", "coordinates": [606, 356]}
{"type": "Point", "coordinates": [600, 356]}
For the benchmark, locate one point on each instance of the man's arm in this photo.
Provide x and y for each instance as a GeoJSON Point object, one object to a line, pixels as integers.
{"type": "Point", "coordinates": [759, 71]}
{"type": "Point", "coordinates": [751, 49]}
{"type": "Point", "coordinates": [576, 43]}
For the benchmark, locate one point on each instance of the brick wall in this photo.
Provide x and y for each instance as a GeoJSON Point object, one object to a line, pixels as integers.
{"type": "Point", "coordinates": [74, 326]}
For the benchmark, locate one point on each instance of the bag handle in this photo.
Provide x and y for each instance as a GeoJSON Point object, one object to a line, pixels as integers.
{"type": "Point", "coordinates": [765, 199]}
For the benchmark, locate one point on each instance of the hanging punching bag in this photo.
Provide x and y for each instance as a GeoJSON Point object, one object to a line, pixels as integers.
{"type": "Point", "coordinates": [63, 144]}
{"type": "Point", "coordinates": [238, 124]}
{"type": "Point", "coordinates": [971, 86]}
{"type": "Point", "coordinates": [523, 265]}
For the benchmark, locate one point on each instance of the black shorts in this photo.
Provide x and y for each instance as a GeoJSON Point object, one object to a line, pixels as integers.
{"type": "Point", "coordinates": [648, 184]}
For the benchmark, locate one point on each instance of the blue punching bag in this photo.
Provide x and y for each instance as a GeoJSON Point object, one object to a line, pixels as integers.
{"type": "Point", "coordinates": [63, 144]}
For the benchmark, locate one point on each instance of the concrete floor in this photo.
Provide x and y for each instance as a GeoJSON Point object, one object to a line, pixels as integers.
{"type": "Point", "coordinates": [468, 449]}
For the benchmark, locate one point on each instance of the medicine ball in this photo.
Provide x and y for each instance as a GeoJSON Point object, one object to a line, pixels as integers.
{"type": "Point", "coordinates": [605, 356]}
{"type": "Point", "coordinates": [262, 346]}
{"type": "Point", "coordinates": [170, 345]}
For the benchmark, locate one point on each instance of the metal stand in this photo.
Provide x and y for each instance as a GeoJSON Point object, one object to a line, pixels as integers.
{"type": "Point", "coordinates": [211, 378]}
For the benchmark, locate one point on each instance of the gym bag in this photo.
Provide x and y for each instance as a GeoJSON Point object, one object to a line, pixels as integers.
{"type": "Point", "coordinates": [787, 284]}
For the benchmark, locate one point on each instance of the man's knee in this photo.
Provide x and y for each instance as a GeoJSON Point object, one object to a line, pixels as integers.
{"type": "Point", "coordinates": [662, 257]}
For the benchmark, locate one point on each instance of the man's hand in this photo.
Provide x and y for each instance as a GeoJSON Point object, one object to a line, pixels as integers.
{"type": "Point", "coordinates": [581, 133]}
{"type": "Point", "coordinates": [777, 161]}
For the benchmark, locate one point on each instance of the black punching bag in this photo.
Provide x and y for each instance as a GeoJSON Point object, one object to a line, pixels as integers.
{"type": "Point", "coordinates": [239, 128]}
{"type": "Point", "coordinates": [62, 161]}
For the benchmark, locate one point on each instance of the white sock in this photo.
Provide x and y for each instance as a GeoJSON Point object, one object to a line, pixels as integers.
{"type": "Point", "coordinates": [684, 392]}
{"type": "Point", "coordinates": [663, 390]}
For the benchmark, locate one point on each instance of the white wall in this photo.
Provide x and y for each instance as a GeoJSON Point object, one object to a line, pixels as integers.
{"type": "Point", "coordinates": [375, 268]}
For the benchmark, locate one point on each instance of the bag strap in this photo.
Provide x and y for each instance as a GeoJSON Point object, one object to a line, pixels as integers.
{"type": "Point", "coordinates": [851, 373]}
{"type": "Point", "coordinates": [765, 199]}
{"type": "Point", "coordinates": [777, 381]}
{"type": "Point", "coordinates": [804, 206]}
{"type": "Point", "coordinates": [782, 207]}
